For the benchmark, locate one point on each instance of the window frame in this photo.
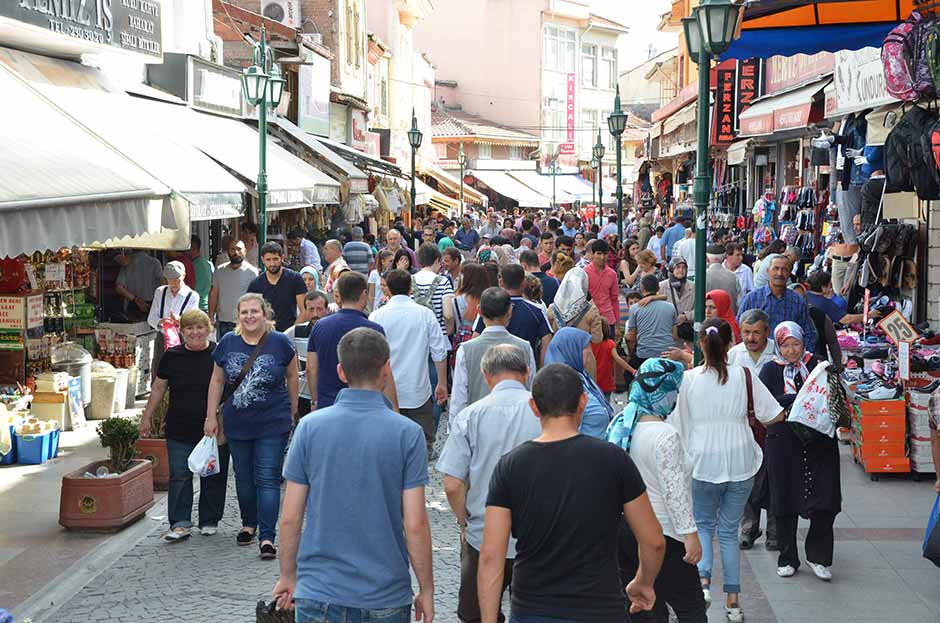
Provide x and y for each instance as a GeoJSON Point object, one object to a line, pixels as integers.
{"type": "Point", "coordinates": [593, 58]}
{"type": "Point", "coordinates": [565, 41]}
{"type": "Point", "coordinates": [608, 62]}
{"type": "Point", "coordinates": [484, 151]}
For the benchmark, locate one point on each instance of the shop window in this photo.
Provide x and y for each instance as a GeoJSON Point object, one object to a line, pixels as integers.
{"type": "Point", "coordinates": [589, 65]}
{"type": "Point", "coordinates": [559, 49]}
{"type": "Point", "coordinates": [553, 121]}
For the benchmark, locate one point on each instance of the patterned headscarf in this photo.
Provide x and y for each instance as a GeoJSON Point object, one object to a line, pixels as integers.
{"type": "Point", "coordinates": [784, 331]}
{"type": "Point", "coordinates": [654, 392]}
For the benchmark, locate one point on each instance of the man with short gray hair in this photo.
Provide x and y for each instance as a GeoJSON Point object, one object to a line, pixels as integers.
{"type": "Point", "coordinates": [717, 277]}
{"type": "Point", "coordinates": [358, 254]}
{"type": "Point", "coordinates": [479, 436]}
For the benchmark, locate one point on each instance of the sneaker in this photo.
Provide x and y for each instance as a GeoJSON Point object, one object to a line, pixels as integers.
{"type": "Point", "coordinates": [208, 530]}
{"type": "Point", "coordinates": [884, 393]}
{"type": "Point", "coordinates": [822, 572]}
{"type": "Point", "coordinates": [747, 540]}
{"type": "Point", "coordinates": [707, 593]}
{"type": "Point", "coordinates": [734, 614]}
{"type": "Point", "coordinates": [786, 572]}
{"type": "Point", "coordinates": [177, 534]}
{"type": "Point", "coordinates": [267, 551]}
{"type": "Point", "coordinates": [245, 536]}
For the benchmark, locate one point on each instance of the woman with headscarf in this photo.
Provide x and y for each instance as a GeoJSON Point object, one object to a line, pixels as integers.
{"type": "Point", "coordinates": [657, 451]}
{"type": "Point", "coordinates": [718, 305]}
{"type": "Point", "coordinates": [571, 347]}
{"type": "Point", "coordinates": [572, 307]}
{"type": "Point", "coordinates": [802, 472]}
{"type": "Point", "coordinates": [561, 264]}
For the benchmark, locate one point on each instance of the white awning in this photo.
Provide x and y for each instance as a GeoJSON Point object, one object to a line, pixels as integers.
{"type": "Point", "coordinates": [542, 184]}
{"type": "Point", "coordinates": [776, 113]}
{"type": "Point", "coordinates": [359, 181]}
{"type": "Point", "coordinates": [680, 118]}
{"type": "Point", "coordinates": [511, 188]}
{"type": "Point", "coordinates": [443, 178]}
{"type": "Point", "coordinates": [62, 186]}
{"type": "Point", "coordinates": [577, 187]}
{"type": "Point", "coordinates": [362, 159]}
{"type": "Point", "coordinates": [737, 151]}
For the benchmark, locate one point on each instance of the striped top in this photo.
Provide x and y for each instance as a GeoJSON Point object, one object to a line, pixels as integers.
{"type": "Point", "coordinates": [424, 280]}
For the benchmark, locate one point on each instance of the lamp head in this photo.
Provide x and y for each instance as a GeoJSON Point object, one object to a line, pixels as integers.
{"type": "Point", "coordinates": [414, 134]}
{"type": "Point", "coordinates": [617, 121]}
{"type": "Point", "coordinates": [254, 84]}
{"type": "Point", "coordinates": [461, 156]}
{"type": "Point", "coordinates": [718, 23]}
{"type": "Point", "coordinates": [275, 86]}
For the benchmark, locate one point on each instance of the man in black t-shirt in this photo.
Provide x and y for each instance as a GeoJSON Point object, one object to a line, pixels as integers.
{"type": "Point", "coordinates": [283, 288]}
{"type": "Point", "coordinates": [562, 496]}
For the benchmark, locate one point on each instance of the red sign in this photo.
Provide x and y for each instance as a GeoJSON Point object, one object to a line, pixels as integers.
{"type": "Point", "coordinates": [724, 116]}
{"type": "Point", "coordinates": [792, 116]}
{"type": "Point", "coordinates": [567, 148]}
{"type": "Point", "coordinates": [788, 71]}
{"type": "Point", "coordinates": [757, 126]}
{"type": "Point", "coordinates": [749, 83]}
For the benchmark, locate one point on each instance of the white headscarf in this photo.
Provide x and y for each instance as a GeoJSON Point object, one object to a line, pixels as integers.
{"type": "Point", "coordinates": [572, 296]}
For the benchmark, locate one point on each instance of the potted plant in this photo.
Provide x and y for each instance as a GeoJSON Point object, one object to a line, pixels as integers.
{"type": "Point", "coordinates": [153, 447]}
{"type": "Point", "coordinates": [93, 498]}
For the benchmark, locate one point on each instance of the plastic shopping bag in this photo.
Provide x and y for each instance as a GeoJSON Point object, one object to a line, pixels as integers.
{"type": "Point", "coordinates": [809, 415]}
{"type": "Point", "coordinates": [932, 536]}
{"type": "Point", "coordinates": [204, 459]}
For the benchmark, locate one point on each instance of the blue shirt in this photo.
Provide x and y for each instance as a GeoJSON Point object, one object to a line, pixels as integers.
{"type": "Point", "coordinates": [527, 322]}
{"type": "Point", "coordinates": [260, 407]}
{"type": "Point", "coordinates": [671, 236]}
{"type": "Point", "coordinates": [549, 287]}
{"type": "Point", "coordinates": [466, 239]}
{"type": "Point", "coordinates": [324, 340]}
{"type": "Point", "coordinates": [791, 306]}
{"type": "Point", "coordinates": [357, 458]}
{"type": "Point", "coordinates": [282, 296]}
{"type": "Point", "coordinates": [830, 307]}
{"type": "Point", "coordinates": [572, 232]}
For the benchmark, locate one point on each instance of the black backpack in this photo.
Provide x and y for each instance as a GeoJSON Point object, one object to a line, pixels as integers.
{"type": "Point", "coordinates": [909, 163]}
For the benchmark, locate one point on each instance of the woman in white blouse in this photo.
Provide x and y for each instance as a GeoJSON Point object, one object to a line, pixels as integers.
{"type": "Point", "coordinates": [712, 419]}
{"type": "Point", "coordinates": [656, 449]}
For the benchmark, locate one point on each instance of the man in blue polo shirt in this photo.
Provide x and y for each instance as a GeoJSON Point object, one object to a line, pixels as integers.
{"type": "Point", "coordinates": [821, 297]}
{"type": "Point", "coordinates": [322, 378]}
{"type": "Point", "coordinates": [527, 321]}
{"type": "Point", "coordinates": [673, 234]}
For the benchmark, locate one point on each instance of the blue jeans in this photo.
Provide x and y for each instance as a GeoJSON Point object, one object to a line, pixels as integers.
{"type": "Point", "coordinates": [432, 373]}
{"type": "Point", "coordinates": [310, 611]}
{"type": "Point", "coordinates": [719, 507]}
{"type": "Point", "coordinates": [257, 465]}
{"type": "Point", "coordinates": [224, 327]}
{"type": "Point", "coordinates": [180, 494]}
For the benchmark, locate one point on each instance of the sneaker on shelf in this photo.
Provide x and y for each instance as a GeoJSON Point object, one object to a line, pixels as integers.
{"type": "Point", "coordinates": [884, 393]}
{"type": "Point", "coordinates": [822, 572]}
{"type": "Point", "coordinates": [734, 614]}
{"type": "Point", "coordinates": [786, 571]}
{"type": "Point", "coordinates": [878, 368]}
{"type": "Point", "coordinates": [925, 389]}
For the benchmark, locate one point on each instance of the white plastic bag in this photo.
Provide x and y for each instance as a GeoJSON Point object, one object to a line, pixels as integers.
{"type": "Point", "coordinates": [204, 459]}
{"type": "Point", "coordinates": [811, 406]}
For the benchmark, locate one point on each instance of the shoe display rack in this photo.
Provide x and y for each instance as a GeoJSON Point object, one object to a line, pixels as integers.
{"type": "Point", "coordinates": [878, 434]}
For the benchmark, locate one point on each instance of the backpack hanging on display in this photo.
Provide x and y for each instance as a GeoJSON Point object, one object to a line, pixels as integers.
{"type": "Point", "coordinates": [909, 164]}
{"type": "Point", "coordinates": [897, 56]}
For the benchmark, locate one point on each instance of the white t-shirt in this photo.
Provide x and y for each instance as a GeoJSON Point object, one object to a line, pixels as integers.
{"type": "Point", "coordinates": [712, 421]}
{"type": "Point", "coordinates": [376, 279]}
{"type": "Point", "coordinates": [654, 245]}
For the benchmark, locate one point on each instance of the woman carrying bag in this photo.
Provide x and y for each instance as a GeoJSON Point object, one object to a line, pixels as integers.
{"type": "Point", "coordinates": [573, 307]}
{"type": "Point", "coordinates": [257, 368]}
{"type": "Point", "coordinates": [802, 464]}
{"type": "Point", "coordinates": [571, 347]}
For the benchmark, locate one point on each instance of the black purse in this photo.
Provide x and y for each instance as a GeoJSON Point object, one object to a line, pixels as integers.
{"type": "Point", "coordinates": [269, 613]}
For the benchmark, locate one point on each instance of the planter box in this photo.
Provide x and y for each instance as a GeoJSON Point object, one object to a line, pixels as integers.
{"type": "Point", "coordinates": [105, 503]}
{"type": "Point", "coordinates": [154, 450]}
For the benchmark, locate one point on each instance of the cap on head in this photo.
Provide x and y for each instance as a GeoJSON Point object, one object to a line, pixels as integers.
{"type": "Point", "coordinates": [174, 270]}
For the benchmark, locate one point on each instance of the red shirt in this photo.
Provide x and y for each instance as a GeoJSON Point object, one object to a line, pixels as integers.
{"type": "Point", "coordinates": [605, 292]}
{"type": "Point", "coordinates": [605, 364]}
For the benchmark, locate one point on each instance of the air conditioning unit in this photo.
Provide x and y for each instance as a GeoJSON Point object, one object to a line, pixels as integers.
{"type": "Point", "coordinates": [286, 12]}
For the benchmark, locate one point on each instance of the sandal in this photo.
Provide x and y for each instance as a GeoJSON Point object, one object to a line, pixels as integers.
{"type": "Point", "coordinates": [268, 551]}
{"type": "Point", "coordinates": [177, 534]}
{"type": "Point", "coordinates": [245, 536]}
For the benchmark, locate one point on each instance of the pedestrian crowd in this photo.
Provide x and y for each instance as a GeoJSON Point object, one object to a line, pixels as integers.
{"type": "Point", "coordinates": [520, 327]}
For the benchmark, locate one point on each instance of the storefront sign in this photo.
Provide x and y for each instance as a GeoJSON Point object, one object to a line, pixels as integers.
{"type": "Point", "coordinates": [897, 328]}
{"type": "Point", "coordinates": [792, 117]}
{"type": "Point", "coordinates": [859, 81]}
{"type": "Point", "coordinates": [750, 79]}
{"type": "Point", "coordinates": [358, 129]}
{"type": "Point", "coordinates": [757, 126]}
{"type": "Point", "coordinates": [567, 148]}
{"type": "Point", "coordinates": [338, 122]}
{"type": "Point", "coordinates": [209, 211]}
{"type": "Point", "coordinates": [34, 311]}
{"type": "Point", "coordinates": [128, 25]}
{"type": "Point", "coordinates": [12, 312]}
{"type": "Point", "coordinates": [789, 71]}
{"type": "Point", "coordinates": [215, 88]}
{"type": "Point", "coordinates": [724, 115]}
{"type": "Point", "coordinates": [11, 339]}
{"type": "Point", "coordinates": [313, 101]}
{"type": "Point", "coordinates": [374, 144]}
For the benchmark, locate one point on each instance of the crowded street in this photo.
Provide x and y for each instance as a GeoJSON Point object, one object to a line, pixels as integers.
{"type": "Point", "coordinates": [554, 311]}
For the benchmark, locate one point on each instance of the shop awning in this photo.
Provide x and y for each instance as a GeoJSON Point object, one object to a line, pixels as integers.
{"type": "Point", "coordinates": [364, 161]}
{"type": "Point", "coordinates": [786, 111]}
{"type": "Point", "coordinates": [452, 184]}
{"type": "Point", "coordinates": [63, 186]}
{"type": "Point", "coordinates": [543, 185]}
{"type": "Point", "coordinates": [502, 183]}
{"type": "Point", "coordinates": [358, 181]}
{"type": "Point", "coordinates": [737, 151]}
{"type": "Point", "coordinates": [577, 187]}
{"type": "Point", "coordinates": [425, 195]}
{"type": "Point", "coordinates": [681, 118]}
{"type": "Point", "coordinates": [789, 27]}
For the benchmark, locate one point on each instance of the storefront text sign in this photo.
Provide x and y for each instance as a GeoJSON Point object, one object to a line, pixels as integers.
{"type": "Point", "coordinates": [757, 126]}
{"type": "Point", "coordinates": [129, 25]}
{"type": "Point", "coordinates": [313, 101]}
{"type": "Point", "coordinates": [34, 311]}
{"type": "Point", "coordinates": [11, 312]}
{"type": "Point", "coordinates": [792, 117]}
{"type": "Point", "coordinates": [358, 129]}
{"type": "Point", "coordinates": [567, 148]}
{"type": "Point", "coordinates": [784, 72]}
{"type": "Point", "coordinates": [724, 107]}
{"type": "Point", "coordinates": [859, 81]}
{"type": "Point", "coordinates": [215, 88]}
{"type": "Point", "coordinates": [749, 84]}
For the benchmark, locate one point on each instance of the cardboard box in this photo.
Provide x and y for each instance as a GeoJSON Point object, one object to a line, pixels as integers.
{"type": "Point", "coordinates": [883, 407]}
{"type": "Point", "coordinates": [883, 435]}
{"type": "Point", "coordinates": [886, 465]}
{"type": "Point", "coordinates": [881, 450]}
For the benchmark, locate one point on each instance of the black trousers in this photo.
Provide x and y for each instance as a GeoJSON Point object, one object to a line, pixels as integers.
{"type": "Point", "coordinates": [676, 585]}
{"type": "Point", "coordinates": [468, 600]}
{"type": "Point", "coordinates": [819, 540]}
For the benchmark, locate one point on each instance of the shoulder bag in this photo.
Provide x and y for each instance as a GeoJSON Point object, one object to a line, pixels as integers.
{"type": "Point", "coordinates": [230, 388]}
{"type": "Point", "coordinates": [758, 429]}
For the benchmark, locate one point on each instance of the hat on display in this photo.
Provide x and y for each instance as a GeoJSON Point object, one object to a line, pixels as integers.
{"type": "Point", "coordinates": [174, 270]}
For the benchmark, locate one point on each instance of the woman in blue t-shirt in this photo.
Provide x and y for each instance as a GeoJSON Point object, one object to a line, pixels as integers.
{"type": "Point", "coordinates": [257, 417]}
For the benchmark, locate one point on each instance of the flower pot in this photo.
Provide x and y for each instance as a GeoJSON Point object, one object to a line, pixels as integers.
{"type": "Point", "coordinates": [154, 450]}
{"type": "Point", "coordinates": [105, 503]}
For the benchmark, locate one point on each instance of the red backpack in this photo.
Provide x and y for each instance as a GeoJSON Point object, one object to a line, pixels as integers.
{"type": "Point", "coordinates": [898, 56]}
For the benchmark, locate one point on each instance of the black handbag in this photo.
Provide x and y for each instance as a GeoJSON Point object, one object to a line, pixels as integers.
{"type": "Point", "coordinates": [269, 613]}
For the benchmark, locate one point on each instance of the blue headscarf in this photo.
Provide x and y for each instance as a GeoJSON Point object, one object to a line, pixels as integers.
{"type": "Point", "coordinates": [654, 392]}
{"type": "Point", "coordinates": [567, 347]}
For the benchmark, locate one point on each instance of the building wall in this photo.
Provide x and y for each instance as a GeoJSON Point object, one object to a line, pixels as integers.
{"type": "Point", "coordinates": [493, 50]}
{"type": "Point", "coordinates": [597, 101]}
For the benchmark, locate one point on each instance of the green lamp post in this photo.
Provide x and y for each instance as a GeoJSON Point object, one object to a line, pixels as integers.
{"type": "Point", "coordinates": [462, 161]}
{"type": "Point", "coordinates": [263, 88]}
{"type": "Point", "coordinates": [414, 139]}
{"type": "Point", "coordinates": [708, 33]}
{"type": "Point", "coordinates": [617, 123]}
{"type": "Point", "coordinates": [598, 153]}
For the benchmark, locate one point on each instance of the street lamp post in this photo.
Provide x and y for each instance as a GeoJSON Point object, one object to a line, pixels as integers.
{"type": "Point", "coordinates": [708, 33]}
{"type": "Point", "coordinates": [554, 170]}
{"type": "Point", "coordinates": [462, 161]}
{"type": "Point", "coordinates": [263, 87]}
{"type": "Point", "coordinates": [617, 123]}
{"type": "Point", "coordinates": [598, 153]}
{"type": "Point", "coordinates": [594, 167]}
{"type": "Point", "coordinates": [414, 139]}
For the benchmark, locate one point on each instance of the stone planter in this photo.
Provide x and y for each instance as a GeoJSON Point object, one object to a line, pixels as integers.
{"type": "Point", "coordinates": [105, 503]}
{"type": "Point", "coordinates": [154, 450]}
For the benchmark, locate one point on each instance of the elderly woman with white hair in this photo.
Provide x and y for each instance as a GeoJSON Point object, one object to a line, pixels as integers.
{"type": "Point", "coordinates": [169, 303]}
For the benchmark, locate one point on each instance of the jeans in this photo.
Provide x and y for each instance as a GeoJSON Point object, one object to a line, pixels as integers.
{"type": "Point", "coordinates": [432, 372]}
{"type": "Point", "coordinates": [257, 465]}
{"type": "Point", "coordinates": [719, 507]}
{"type": "Point", "coordinates": [180, 494]}
{"type": "Point", "coordinates": [224, 327]}
{"type": "Point", "coordinates": [310, 611]}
